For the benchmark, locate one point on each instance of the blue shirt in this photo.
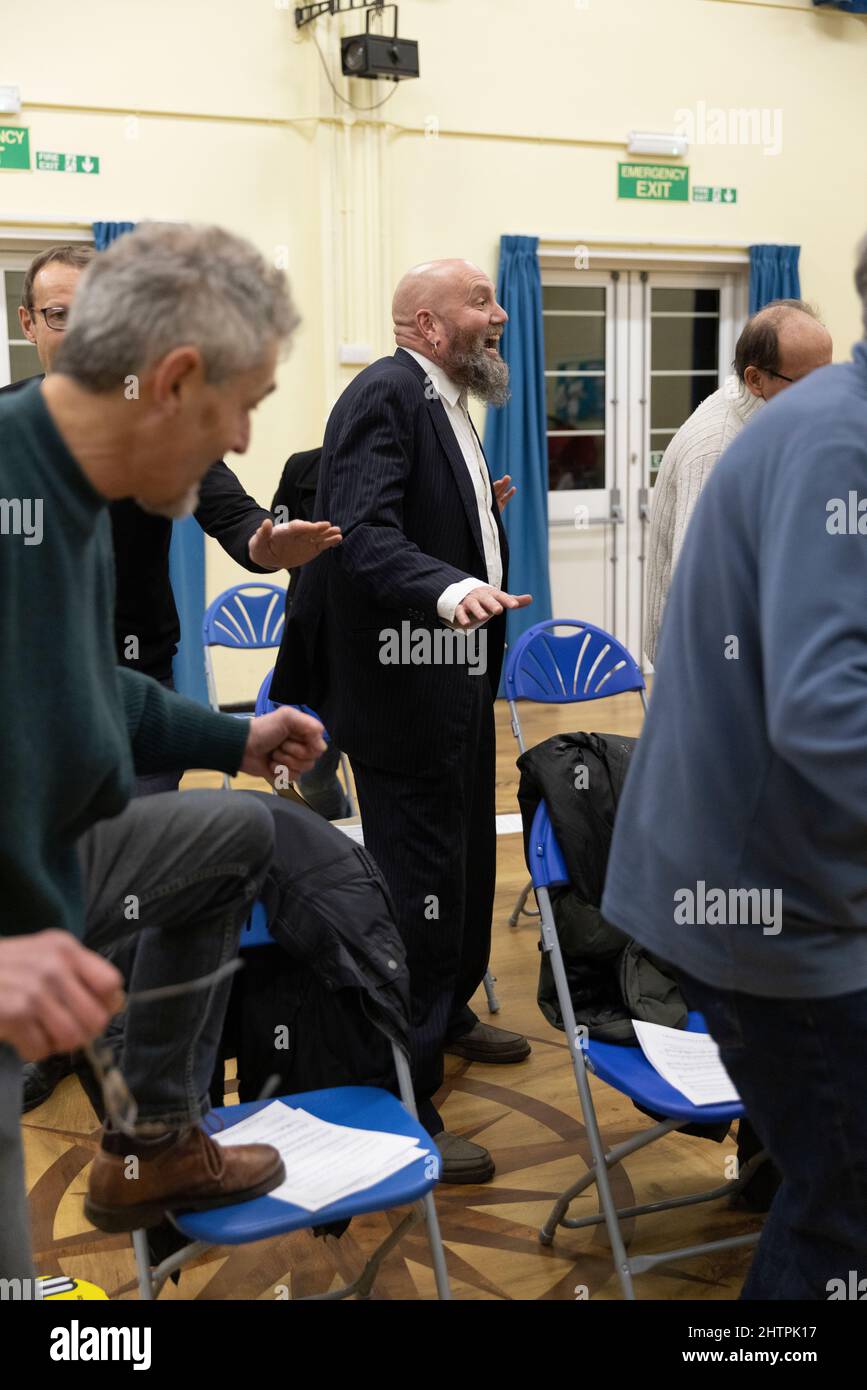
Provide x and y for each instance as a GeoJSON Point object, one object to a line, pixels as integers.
{"type": "Point", "coordinates": [751, 772]}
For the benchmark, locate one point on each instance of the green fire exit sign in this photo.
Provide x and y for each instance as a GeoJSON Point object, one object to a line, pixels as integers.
{"type": "Point", "coordinates": [14, 147]}
{"type": "Point", "coordinates": [654, 183]}
{"type": "Point", "coordinates": [54, 163]}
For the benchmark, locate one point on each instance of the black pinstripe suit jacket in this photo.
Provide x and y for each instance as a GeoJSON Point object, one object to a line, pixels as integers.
{"type": "Point", "coordinates": [394, 479]}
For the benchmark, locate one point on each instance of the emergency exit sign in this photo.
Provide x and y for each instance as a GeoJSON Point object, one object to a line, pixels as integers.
{"type": "Point", "coordinates": [67, 163]}
{"type": "Point", "coordinates": [653, 183]}
{"type": "Point", "coordinates": [14, 147]}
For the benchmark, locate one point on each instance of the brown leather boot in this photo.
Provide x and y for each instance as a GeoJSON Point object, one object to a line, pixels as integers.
{"type": "Point", "coordinates": [185, 1172]}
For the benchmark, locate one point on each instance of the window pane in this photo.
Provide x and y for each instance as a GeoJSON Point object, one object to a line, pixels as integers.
{"type": "Point", "coordinates": [573, 297]}
{"type": "Point", "coordinates": [575, 462]}
{"type": "Point", "coordinates": [576, 402]}
{"type": "Point", "coordinates": [14, 281]}
{"type": "Point", "coordinates": [685, 301]}
{"type": "Point", "coordinates": [658, 445]}
{"type": "Point", "coordinates": [574, 344]}
{"type": "Point", "coordinates": [679, 345]}
{"type": "Point", "coordinates": [23, 361]}
{"type": "Point", "coordinates": [674, 398]}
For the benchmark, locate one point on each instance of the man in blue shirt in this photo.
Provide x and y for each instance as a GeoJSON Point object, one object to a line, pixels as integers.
{"type": "Point", "coordinates": [740, 848]}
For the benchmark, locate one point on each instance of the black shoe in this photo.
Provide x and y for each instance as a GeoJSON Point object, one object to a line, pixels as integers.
{"type": "Point", "coordinates": [41, 1078]}
{"type": "Point", "coordinates": [462, 1160]}
{"type": "Point", "coordinates": [485, 1043]}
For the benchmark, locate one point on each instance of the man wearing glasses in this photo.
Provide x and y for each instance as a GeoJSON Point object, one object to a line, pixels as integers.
{"type": "Point", "coordinates": [779, 345]}
{"type": "Point", "coordinates": [147, 629]}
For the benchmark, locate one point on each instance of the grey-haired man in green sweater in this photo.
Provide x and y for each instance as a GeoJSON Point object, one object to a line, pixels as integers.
{"type": "Point", "coordinates": [172, 341]}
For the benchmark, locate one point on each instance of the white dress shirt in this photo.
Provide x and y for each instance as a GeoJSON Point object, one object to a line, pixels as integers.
{"type": "Point", "coordinates": [455, 403]}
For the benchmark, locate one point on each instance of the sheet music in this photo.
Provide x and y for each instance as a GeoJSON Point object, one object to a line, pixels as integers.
{"type": "Point", "coordinates": [690, 1062]}
{"type": "Point", "coordinates": [324, 1162]}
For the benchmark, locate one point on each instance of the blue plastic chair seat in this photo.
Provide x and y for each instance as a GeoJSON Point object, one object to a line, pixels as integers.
{"type": "Point", "coordinates": [362, 1107]}
{"type": "Point", "coordinates": [628, 1071]}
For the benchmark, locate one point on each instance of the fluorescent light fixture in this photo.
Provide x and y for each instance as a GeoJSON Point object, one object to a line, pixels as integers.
{"type": "Point", "coordinates": [645, 142]}
{"type": "Point", "coordinates": [10, 100]}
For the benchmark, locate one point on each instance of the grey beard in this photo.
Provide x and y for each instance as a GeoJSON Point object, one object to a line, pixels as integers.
{"type": "Point", "coordinates": [485, 377]}
{"type": "Point", "coordinates": [174, 511]}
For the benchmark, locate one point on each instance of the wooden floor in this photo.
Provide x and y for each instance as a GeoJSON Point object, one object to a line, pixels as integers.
{"type": "Point", "coordinates": [527, 1115]}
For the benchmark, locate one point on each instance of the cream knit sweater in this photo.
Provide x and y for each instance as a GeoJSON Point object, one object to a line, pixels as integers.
{"type": "Point", "coordinates": [685, 467]}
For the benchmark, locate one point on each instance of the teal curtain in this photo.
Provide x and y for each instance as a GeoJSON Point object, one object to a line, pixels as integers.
{"type": "Point", "coordinates": [104, 233]}
{"type": "Point", "coordinates": [773, 275]}
{"type": "Point", "coordinates": [187, 575]}
{"type": "Point", "coordinates": [850, 6]}
{"type": "Point", "coordinates": [515, 440]}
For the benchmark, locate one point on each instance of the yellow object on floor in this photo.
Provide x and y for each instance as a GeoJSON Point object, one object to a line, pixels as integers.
{"type": "Point", "coordinates": [58, 1286]}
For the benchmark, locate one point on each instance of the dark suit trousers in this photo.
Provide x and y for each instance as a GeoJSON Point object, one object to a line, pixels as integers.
{"type": "Point", "coordinates": [434, 837]}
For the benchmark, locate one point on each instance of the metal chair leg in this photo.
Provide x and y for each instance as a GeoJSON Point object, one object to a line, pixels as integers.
{"type": "Point", "coordinates": [491, 994]}
{"type": "Point", "coordinates": [551, 945]}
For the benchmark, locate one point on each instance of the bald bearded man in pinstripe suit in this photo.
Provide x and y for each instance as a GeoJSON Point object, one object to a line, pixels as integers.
{"type": "Point", "coordinates": [404, 476]}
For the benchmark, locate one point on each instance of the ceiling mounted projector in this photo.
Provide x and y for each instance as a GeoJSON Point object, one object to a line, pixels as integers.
{"type": "Point", "coordinates": [378, 55]}
{"type": "Point", "coordinates": [641, 142]}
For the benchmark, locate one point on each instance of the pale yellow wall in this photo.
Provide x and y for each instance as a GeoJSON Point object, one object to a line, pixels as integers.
{"type": "Point", "coordinates": [532, 98]}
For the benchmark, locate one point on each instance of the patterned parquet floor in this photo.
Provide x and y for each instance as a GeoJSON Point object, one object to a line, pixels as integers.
{"type": "Point", "coordinates": [527, 1115]}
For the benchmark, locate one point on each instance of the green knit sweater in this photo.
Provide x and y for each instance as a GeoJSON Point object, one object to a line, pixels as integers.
{"type": "Point", "coordinates": [75, 727]}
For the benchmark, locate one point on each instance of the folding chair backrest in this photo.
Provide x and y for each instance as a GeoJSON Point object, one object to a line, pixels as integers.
{"type": "Point", "coordinates": [585, 664]}
{"type": "Point", "coordinates": [247, 615]}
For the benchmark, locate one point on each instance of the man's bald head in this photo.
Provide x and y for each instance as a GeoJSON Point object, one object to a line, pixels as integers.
{"type": "Point", "coordinates": [430, 285]}
{"type": "Point", "coordinates": [779, 345]}
{"type": "Point", "coordinates": [447, 311]}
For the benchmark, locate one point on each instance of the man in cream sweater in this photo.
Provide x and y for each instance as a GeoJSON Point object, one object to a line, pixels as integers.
{"type": "Point", "coordinates": [779, 345]}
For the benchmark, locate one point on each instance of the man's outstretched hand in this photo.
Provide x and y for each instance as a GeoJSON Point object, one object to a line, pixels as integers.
{"type": "Point", "coordinates": [486, 602]}
{"type": "Point", "coordinates": [291, 544]}
{"type": "Point", "coordinates": [285, 739]}
{"type": "Point", "coordinates": [55, 994]}
{"type": "Point", "coordinates": [503, 491]}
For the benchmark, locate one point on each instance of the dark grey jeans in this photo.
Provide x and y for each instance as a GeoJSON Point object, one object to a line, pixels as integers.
{"type": "Point", "coordinates": [181, 872]}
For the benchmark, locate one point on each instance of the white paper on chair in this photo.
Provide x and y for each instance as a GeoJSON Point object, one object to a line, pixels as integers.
{"type": "Point", "coordinates": [324, 1162]}
{"type": "Point", "coordinates": [690, 1062]}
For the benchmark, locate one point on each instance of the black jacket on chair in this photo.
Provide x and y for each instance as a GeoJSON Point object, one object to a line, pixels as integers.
{"type": "Point", "coordinates": [393, 477]}
{"type": "Point", "coordinates": [612, 979]}
{"type": "Point", "coordinates": [336, 979]}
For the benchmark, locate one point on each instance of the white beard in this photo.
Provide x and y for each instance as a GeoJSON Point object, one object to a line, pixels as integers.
{"type": "Point", "coordinates": [174, 511]}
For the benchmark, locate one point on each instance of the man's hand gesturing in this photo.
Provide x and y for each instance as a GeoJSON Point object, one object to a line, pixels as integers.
{"type": "Point", "coordinates": [292, 543]}
{"type": "Point", "coordinates": [486, 602]}
{"type": "Point", "coordinates": [285, 739]}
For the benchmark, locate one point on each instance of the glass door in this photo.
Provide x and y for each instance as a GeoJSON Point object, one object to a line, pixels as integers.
{"type": "Point", "coordinates": [629, 355]}
{"type": "Point", "coordinates": [681, 343]}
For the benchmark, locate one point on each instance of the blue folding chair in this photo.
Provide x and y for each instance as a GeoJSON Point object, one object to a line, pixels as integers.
{"type": "Point", "coordinates": [264, 705]}
{"type": "Point", "coordinates": [555, 669]}
{"type": "Point", "coordinates": [249, 616]}
{"type": "Point", "coordinates": [358, 1107]}
{"type": "Point", "coordinates": [627, 1070]}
